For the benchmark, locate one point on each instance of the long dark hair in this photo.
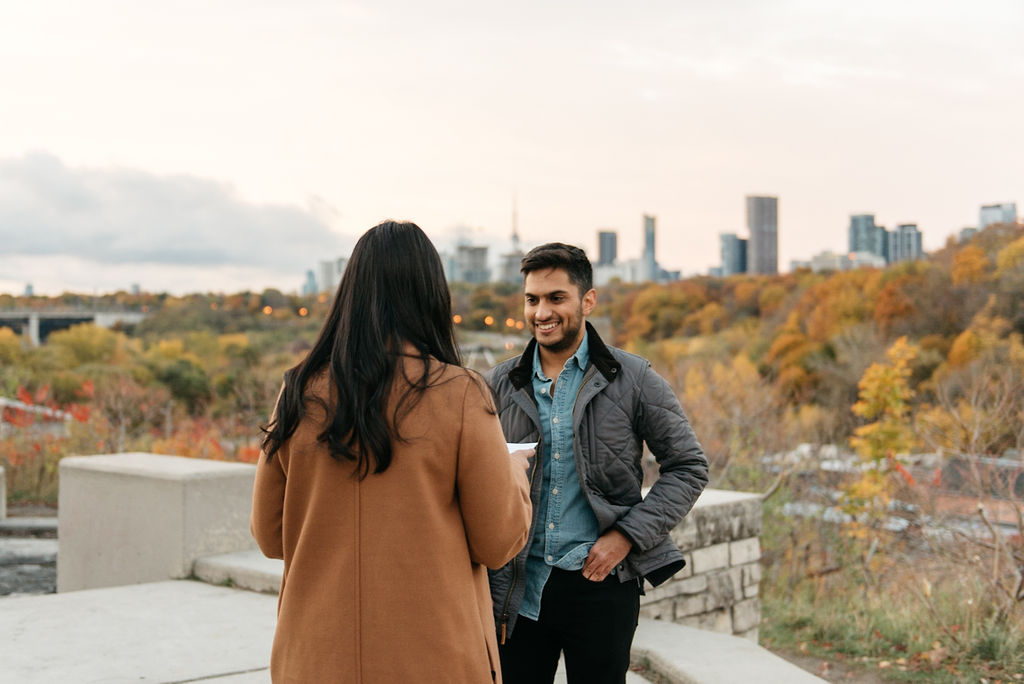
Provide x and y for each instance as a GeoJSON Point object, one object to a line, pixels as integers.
{"type": "Point", "coordinates": [393, 291]}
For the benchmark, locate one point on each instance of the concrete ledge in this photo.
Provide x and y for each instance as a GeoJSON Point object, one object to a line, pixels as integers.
{"type": "Point", "coordinates": [28, 552]}
{"type": "Point", "coordinates": [243, 569]}
{"type": "Point", "coordinates": [134, 517]}
{"type": "Point", "coordinates": [29, 527]}
{"type": "Point", "coordinates": [686, 655]}
{"type": "Point", "coordinates": [678, 654]}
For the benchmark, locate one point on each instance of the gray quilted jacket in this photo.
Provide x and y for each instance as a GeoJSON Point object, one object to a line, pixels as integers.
{"type": "Point", "coordinates": [621, 404]}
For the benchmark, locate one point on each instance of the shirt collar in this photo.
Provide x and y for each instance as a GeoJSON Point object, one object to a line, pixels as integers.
{"type": "Point", "coordinates": [581, 358]}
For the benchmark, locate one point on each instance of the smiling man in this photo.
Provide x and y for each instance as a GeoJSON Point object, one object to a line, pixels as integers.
{"type": "Point", "coordinates": [575, 588]}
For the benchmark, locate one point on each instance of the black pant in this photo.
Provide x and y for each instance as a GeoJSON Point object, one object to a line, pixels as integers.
{"type": "Point", "coordinates": [591, 622]}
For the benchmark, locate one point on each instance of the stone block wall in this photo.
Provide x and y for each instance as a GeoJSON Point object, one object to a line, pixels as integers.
{"type": "Point", "coordinates": [718, 588]}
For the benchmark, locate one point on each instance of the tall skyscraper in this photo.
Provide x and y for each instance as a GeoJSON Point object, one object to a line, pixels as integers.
{"type": "Point", "coordinates": [650, 264]}
{"type": "Point", "coordinates": [734, 254]}
{"type": "Point", "coordinates": [508, 269]}
{"type": "Point", "coordinates": [997, 213]}
{"type": "Point", "coordinates": [330, 274]}
{"type": "Point", "coordinates": [763, 224]}
{"type": "Point", "coordinates": [309, 287]}
{"type": "Point", "coordinates": [607, 247]}
{"type": "Point", "coordinates": [905, 243]}
{"type": "Point", "coordinates": [967, 233]}
{"type": "Point", "coordinates": [866, 237]}
{"type": "Point", "coordinates": [471, 264]}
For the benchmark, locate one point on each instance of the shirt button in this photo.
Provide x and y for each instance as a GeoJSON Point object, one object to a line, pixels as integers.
{"type": "Point", "coordinates": [556, 456]}
{"type": "Point", "coordinates": [555, 421]}
{"type": "Point", "coordinates": [555, 490]}
{"type": "Point", "coordinates": [543, 390]}
{"type": "Point", "coordinates": [551, 558]}
{"type": "Point", "coordinates": [551, 526]}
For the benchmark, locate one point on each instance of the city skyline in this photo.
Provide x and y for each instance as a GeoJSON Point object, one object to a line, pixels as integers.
{"type": "Point", "coordinates": [230, 147]}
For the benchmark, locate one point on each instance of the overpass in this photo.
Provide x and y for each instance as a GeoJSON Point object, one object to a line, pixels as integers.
{"type": "Point", "coordinates": [38, 325]}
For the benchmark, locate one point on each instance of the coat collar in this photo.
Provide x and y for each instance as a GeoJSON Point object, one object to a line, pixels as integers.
{"type": "Point", "coordinates": [600, 356]}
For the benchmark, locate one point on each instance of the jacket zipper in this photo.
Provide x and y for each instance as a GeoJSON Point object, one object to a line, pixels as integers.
{"type": "Point", "coordinates": [515, 565]}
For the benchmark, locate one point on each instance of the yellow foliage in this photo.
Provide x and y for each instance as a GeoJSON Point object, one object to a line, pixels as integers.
{"type": "Point", "coordinates": [832, 304]}
{"type": "Point", "coordinates": [745, 370]}
{"type": "Point", "coordinates": [966, 347]}
{"type": "Point", "coordinates": [694, 386]}
{"type": "Point", "coordinates": [806, 421]}
{"type": "Point", "coordinates": [870, 491]}
{"type": "Point", "coordinates": [771, 298]}
{"type": "Point", "coordinates": [1011, 257]}
{"type": "Point", "coordinates": [88, 343]}
{"type": "Point", "coordinates": [985, 332]}
{"type": "Point", "coordinates": [746, 293]}
{"type": "Point", "coordinates": [728, 380]}
{"type": "Point", "coordinates": [710, 318]}
{"type": "Point", "coordinates": [10, 346]}
{"type": "Point", "coordinates": [969, 265]}
{"type": "Point", "coordinates": [170, 349]}
{"type": "Point", "coordinates": [232, 340]}
{"type": "Point", "coordinates": [884, 397]}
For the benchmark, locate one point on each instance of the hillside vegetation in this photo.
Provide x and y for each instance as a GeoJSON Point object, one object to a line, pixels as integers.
{"type": "Point", "coordinates": [893, 537]}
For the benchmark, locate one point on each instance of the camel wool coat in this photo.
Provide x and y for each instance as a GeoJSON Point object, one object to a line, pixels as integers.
{"type": "Point", "coordinates": [384, 578]}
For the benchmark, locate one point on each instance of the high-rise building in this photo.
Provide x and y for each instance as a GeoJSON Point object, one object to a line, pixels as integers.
{"type": "Point", "coordinates": [650, 264]}
{"type": "Point", "coordinates": [905, 243]}
{"type": "Point", "coordinates": [330, 274]}
{"type": "Point", "coordinates": [866, 236]}
{"type": "Point", "coordinates": [326, 282]}
{"type": "Point", "coordinates": [734, 254]}
{"type": "Point", "coordinates": [607, 247]}
{"type": "Point", "coordinates": [763, 224]}
{"type": "Point", "coordinates": [997, 213]}
{"type": "Point", "coordinates": [967, 233]}
{"type": "Point", "coordinates": [309, 287]}
{"type": "Point", "coordinates": [471, 264]}
{"type": "Point", "coordinates": [512, 261]}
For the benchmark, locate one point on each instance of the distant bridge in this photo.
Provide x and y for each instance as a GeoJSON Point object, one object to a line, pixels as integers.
{"type": "Point", "coordinates": [38, 325]}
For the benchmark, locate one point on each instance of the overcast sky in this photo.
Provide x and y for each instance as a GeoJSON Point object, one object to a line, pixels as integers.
{"type": "Point", "coordinates": [230, 144]}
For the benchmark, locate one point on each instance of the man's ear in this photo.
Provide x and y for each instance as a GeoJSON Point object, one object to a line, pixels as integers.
{"type": "Point", "coordinates": [589, 301]}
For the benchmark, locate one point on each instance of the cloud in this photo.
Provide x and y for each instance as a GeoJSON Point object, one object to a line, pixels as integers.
{"type": "Point", "coordinates": [116, 216]}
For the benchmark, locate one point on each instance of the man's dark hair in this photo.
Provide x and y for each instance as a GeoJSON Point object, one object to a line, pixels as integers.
{"type": "Point", "coordinates": [572, 260]}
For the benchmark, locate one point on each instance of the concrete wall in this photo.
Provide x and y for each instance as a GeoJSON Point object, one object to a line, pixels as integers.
{"type": "Point", "coordinates": [130, 518]}
{"type": "Point", "coordinates": [718, 588]}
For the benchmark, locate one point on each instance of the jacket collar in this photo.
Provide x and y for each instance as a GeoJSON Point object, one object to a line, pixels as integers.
{"type": "Point", "coordinates": [600, 356]}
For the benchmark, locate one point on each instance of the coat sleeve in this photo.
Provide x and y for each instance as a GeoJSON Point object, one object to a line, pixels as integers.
{"type": "Point", "coordinates": [265, 523]}
{"type": "Point", "coordinates": [493, 490]}
{"type": "Point", "coordinates": [682, 465]}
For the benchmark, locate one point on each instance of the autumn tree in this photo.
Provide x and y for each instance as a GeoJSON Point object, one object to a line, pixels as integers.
{"type": "Point", "coordinates": [885, 396]}
{"type": "Point", "coordinates": [970, 265]}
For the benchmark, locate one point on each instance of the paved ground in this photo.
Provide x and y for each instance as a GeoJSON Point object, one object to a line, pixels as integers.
{"type": "Point", "coordinates": [162, 632]}
{"type": "Point", "coordinates": [169, 632]}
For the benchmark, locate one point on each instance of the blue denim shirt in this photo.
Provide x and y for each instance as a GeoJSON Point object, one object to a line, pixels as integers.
{"type": "Point", "coordinates": [566, 525]}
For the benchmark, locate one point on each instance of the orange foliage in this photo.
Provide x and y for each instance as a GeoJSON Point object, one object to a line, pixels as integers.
{"type": "Point", "coordinates": [892, 305]}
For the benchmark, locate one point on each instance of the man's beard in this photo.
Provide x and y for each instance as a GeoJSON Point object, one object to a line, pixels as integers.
{"type": "Point", "coordinates": [569, 334]}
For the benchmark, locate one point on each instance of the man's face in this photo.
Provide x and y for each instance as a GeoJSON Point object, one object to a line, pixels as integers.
{"type": "Point", "coordinates": [554, 309]}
